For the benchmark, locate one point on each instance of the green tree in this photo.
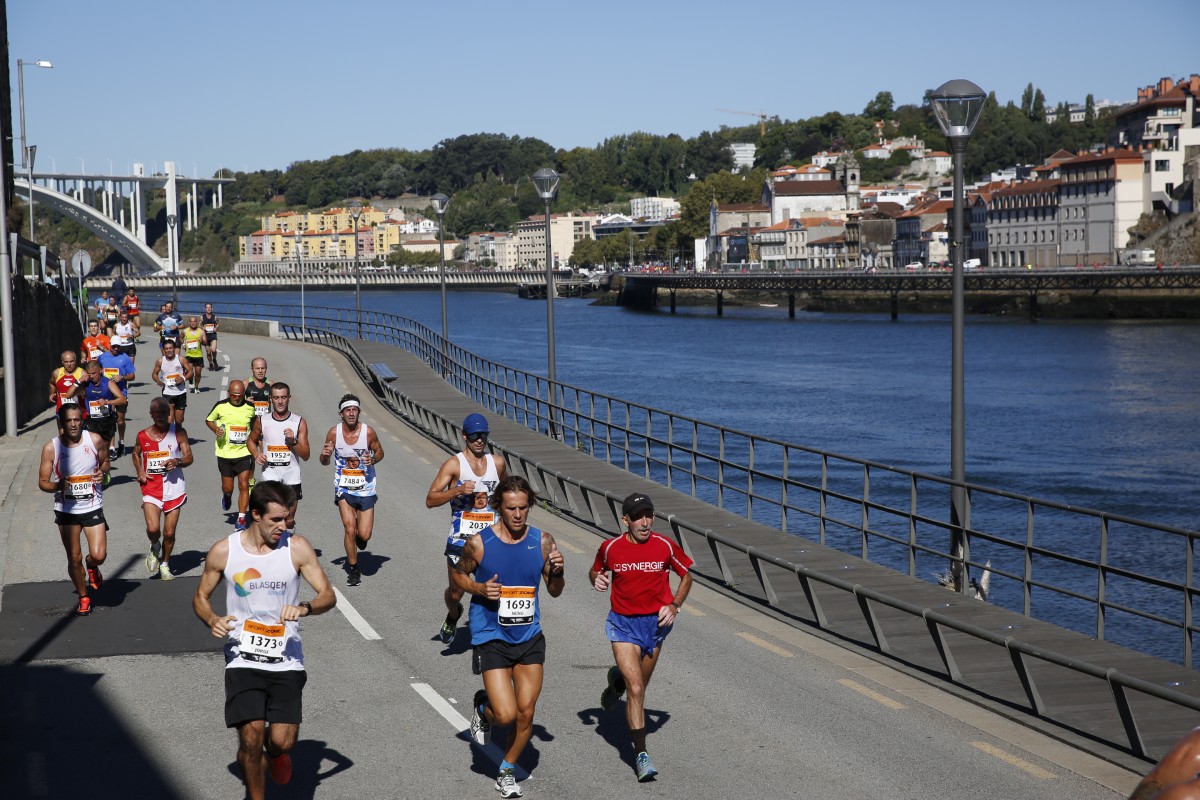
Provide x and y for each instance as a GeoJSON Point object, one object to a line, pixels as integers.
{"type": "Point", "coordinates": [880, 108]}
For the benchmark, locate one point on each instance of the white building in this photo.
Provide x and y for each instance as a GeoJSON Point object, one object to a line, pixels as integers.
{"type": "Point", "coordinates": [743, 155]}
{"type": "Point", "coordinates": [655, 207]}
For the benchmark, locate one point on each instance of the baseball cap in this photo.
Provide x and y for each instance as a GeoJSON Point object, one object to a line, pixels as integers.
{"type": "Point", "coordinates": [635, 504]}
{"type": "Point", "coordinates": [475, 423]}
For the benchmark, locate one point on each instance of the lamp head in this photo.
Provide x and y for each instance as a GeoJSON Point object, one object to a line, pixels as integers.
{"type": "Point", "coordinates": [440, 203]}
{"type": "Point", "coordinates": [546, 182]}
{"type": "Point", "coordinates": [171, 220]}
{"type": "Point", "coordinates": [957, 105]}
{"type": "Point", "coordinates": [355, 210]}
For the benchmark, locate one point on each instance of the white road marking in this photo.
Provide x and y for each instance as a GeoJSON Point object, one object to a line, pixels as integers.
{"type": "Point", "coordinates": [883, 700]}
{"type": "Point", "coordinates": [354, 618]}
{"type": "Point", "coordinates": [460, 724]}
{"type": "Point", "coordinates": [568, 546]}
{"type": "Point", "coordinates": [1019, 763]}
{"type": "Point", "coordinates": [764, 644]}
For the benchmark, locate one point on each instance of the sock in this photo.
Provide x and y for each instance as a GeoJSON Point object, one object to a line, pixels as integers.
{"type": "Point", "coordinates": [639, 739]}
{"type": "Point", "coordinates": [505, 765]}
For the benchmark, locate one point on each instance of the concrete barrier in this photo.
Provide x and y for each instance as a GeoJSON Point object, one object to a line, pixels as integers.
{"type": "Point", "coordinates": [251, 327]}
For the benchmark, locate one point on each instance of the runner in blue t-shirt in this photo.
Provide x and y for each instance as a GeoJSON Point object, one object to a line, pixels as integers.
{"type": "Point", "coordinates": [119, 367]}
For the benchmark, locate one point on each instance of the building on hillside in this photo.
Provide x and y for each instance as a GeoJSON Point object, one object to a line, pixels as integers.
{"type": "Point", "coordinates": [565, 231]}
{"type": "Point", "coordinates": [828, 253]}
{"type": "Point", "coordinates": [1024, 224]}
{"type": "Point", "coordinates": [653, 208]}
{"type": "Point", "coordinates": [793, 199]}
{"type": "Point", "coordinates": [877, 232]}
{"type": "Point", "coordinates": [741, 215]}
{"type": "Point", "coordinates": [1161, 111]}
{"type": "Point", "coordinates": [912, 242]}
{"type": "Point", "coordinates": [1101, 198]}
{"type": "Point", "coordinates": [506, 255]}
{"type": "Point", "coordinates": [808, 172]}
{"type": "Point", "coordinates": [826, 158]}
{"type": "Point", "coordinates": [743, 155]}
{"type": "Point", "coordinates": [613, 224]}
{"type": "Point", "coordinates": [1077, 112]}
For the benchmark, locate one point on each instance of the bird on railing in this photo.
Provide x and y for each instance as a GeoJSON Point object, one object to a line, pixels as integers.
{"type": "Point", "coordinates": [976, 588]}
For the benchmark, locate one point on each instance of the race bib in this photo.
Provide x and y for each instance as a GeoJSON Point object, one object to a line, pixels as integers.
{"type": "Point", "coordinates": [94, 353]}
{"type": "Point", "coordinates": [112, 373]}
{"type": "Point", "coordinates": [98, 409]}
{"type": "Point", "coordinates": [472, 522]}
{"type": "Point", "coordinates": [156, 462]}
{"type": "Point", "coordinates": [261, 407]}
{"type": "Point", "coordinates": [259, 642]}
{"type": "Point", "coordinates": [278, 455]}
{"type": "Point", "coordinates": [517, 604]}
{"type": "Point", "coordinates": [353, 479]}
{"type": "Point", "coordinates": [237, 434]}
{"type": "Point", "coordinates": [173, 380]}
{"type": "Point", "coordinates": [132, 305]}
{"type": "Point", "coordinates": [80, 487]}
{"type": "Point", "coordinates": [210, 328]}
{"type": "Point", "coordinates": [70, 401]}
{"type": "Point", "coordinates": [192, 347]}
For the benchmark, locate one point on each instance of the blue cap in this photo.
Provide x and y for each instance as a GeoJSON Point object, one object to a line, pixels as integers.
{"type": "Point", "coordinates": [475, 423]}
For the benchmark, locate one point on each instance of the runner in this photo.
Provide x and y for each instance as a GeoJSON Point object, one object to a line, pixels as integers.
{"type": "Point", "coordinates": [258, 388]}
{"type": "Point", "coordinates": [159, 456]}
{"type": "Point", "coordinates": [125, 334]}
{"type": "Point", "coordinates": [264, 658]}
{"type": "Point", "coordinates": [231, 420]}
{"type": "Point", "coordinates": [168, 324]}
{"type": "Point", "coordinates": [133, 304]}
{"type": "Point", "coordinates": [102, 397]}
{"type": "Point", "coordinates": [66, 381]}
{"type": "Point", "coordinates": [73, 468]}
{"type": "Point", "coordinates": [278, 439]}
{"type": "Point", "coordinates": [637, 565]}
{"type": "Point", "coordinates": [119, 367]}
{"type": "Point", "coordinates": [99, 304]}
{"type": "Point", "coordinates": [95, 342]}
{"type": "Point", "coordinates": [501, 567]}
{"type": "Point", "coordinates": [355, 450]}
{"type": "Point", "coordinates": [171, 373]}
{"type": "Point", "coordinates": [109, 315]}
{"type": "Point", "coordinates": [194, 342]}
{"type": "Point", "coordinates": [458, 480]}
{"type": "Point", "coordinates": [211, 326]}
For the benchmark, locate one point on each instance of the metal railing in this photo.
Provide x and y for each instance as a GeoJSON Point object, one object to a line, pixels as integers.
{"type": "Point", "coordinates": [1101, 574]}
{"type": "Point", "coordinates": [602, 507]}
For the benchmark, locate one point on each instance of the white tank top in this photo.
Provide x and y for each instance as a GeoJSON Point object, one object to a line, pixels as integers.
{"type": "Point", "coordinates": [171, 374]}
{"type": "Point", "coordinates": [282, 463]}
{"type": "Point", "coordinates": [257, 587]}
{"type": "Point", "coordinates": [483, 483]}
{"type": "Point", "coordinates": [359, 482]}
{"type": "Point", "coordinates": [75, 465]}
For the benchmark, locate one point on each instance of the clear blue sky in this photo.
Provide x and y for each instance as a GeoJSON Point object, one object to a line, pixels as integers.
{"type": "Point", "coordinates": [250, 85]}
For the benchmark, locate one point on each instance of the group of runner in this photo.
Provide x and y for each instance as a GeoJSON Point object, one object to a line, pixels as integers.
{"type": "Point", "coordinates": [492, 552]}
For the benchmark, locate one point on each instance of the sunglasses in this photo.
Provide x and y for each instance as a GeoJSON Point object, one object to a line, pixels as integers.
{"type": "Point", "coordinates": [477, 437]}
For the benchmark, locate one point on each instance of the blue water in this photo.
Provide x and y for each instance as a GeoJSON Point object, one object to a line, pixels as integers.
{"type": "Point", "coordinates": [1097, 414]}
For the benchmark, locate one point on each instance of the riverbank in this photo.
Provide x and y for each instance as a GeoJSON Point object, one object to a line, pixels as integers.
{"type": "Point", "coordinates": [1129, 304]}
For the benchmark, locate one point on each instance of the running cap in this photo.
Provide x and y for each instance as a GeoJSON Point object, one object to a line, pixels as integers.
{"type": "Point", "coordinates": [475, 423]}
{"type": "Point", "coordinates": [635, 504]}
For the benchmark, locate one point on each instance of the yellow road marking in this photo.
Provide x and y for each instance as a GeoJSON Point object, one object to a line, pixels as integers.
{"type": "Point", "coordinates": [883, 700]}
{"type": "Point", "coordinates": [568, 546]}
{"type": "Point", "coordinates": [695, 612]}
{"type": "Point", "coordinates": [1019, 763]}
{"type": "Point", "coordinates": [764, 644]}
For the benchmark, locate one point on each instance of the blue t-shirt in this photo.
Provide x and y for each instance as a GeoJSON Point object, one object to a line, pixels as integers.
{"type": "Point", "coordinates": [120, 362]}
{"type": "Point", "coordinates": [516, 616]}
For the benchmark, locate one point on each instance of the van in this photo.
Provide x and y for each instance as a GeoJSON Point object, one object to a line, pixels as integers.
{"type": "Point", "coordinates": [971, 263]}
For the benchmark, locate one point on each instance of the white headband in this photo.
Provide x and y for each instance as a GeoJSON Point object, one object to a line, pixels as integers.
{"type": "Point", "coordinates": [348, 404]}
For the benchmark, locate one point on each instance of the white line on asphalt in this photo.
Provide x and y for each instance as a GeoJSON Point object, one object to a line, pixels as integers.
{"type": "Point", "coordinates": [764, 644]}
{"type": "Point", "coordinates": [883, 700]}
{"type": "Point", "coordinates": [354, 618]}
{"type": "Point", "coordinates": [1019, 763]}
{"type": "Point", "coordinates": [459, 722]}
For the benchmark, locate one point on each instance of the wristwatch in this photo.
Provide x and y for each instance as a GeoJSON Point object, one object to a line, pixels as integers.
{"type": "Point", "coordinates": [308, 605]}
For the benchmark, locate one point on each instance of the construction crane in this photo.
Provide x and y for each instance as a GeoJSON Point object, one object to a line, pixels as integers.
{"type": "Point", "coordinates": [762, 118]}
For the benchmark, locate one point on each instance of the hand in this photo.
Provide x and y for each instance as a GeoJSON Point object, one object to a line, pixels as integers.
{"type": "Point", "coordinates": [327, 450]}
{"type": "Point", "coordinates": [491, 589]}
{"type": "Point", "coordinates": [290, 613]}
{"type": "Point", "coordinates": [98, 476]}
{"type": "Point", "coordinates": [466, 487]}
{"type": "Point", "coordinates": [143, 479]}
{"type": "Point", "coordinates": [221, 626]}
{"type": "Point", "coordinates": [666, 615]}
{"type": "Point", "coordinates": [367, 459]}
{"type": "Point", "coordinates": [602, 581]}
{"type": "Point", "coordinates": [555, 561]}
{"type": "Point", "coordinates": [220, 431]}
{"type": "Point", "coordinates": [261, 459]}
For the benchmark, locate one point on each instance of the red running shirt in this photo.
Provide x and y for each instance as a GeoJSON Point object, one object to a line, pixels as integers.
{"type": "Point", "coordinates": [640, 580]}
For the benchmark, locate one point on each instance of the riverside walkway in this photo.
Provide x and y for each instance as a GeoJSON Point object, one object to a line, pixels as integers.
{"type": "Point", "coordinates": [748, 701]}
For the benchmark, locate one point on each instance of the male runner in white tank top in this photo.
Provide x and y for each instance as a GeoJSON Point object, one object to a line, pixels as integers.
{"type": "Point", "coordinates": [354, 449]}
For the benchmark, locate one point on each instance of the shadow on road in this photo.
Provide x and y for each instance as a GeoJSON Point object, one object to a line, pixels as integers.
{"type": "Point", "coordinates": [308, 758]}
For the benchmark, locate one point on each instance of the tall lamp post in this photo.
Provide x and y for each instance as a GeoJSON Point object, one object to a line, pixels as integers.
{"type": "Point", "coordinates": [440, 203]}
{"type": "Point", "coordinates": [27, 152]}
{"type": "Point", "coordinates": [299, 237]}
{"type": "Point", "coordinates": [957, 105]}
{"type": "Point", "coordinates": [546, 182]}
{"type": "Point", "coordinates": [355, 213]}
{"type": "Point", "coordinates": [173, 254]}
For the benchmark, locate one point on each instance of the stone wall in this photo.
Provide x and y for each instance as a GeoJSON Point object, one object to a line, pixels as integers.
{"type": "Point", "coordinates": [44, 326]}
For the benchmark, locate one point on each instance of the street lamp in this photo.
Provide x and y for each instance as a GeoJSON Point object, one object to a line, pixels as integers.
{"type": "Point", "coordinates": [173, 256]}
{"type": "Point", "coordinates": [440, 203]}
{"type": "Point", "coordinates": [27, 152]}
{"type": "Point", "coordinates": [546, 182]}
{"type": "Point", "coordinates": [355, 213]}
{"type": "Point", "coordinates": [299, 237]}
{"type": "Point", "coordinates": [957, 105]}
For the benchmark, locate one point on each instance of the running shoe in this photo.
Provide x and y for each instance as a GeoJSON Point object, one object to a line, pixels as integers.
{"type": "Point", "coordinates": [480, 727]}
{"type": "Point", "coordinates": [240, 525]}
{"type": "Point", "coordinates": [151, 560]}
{"type": "Point", "coordinates": [506, 784]}
{"type": "Point", "coordinates": [645, 768]}
{"type": "Point", "coordinates": [84, 609]}
{"type": "Point", "coordinates": [281, 768]}
{"type": "Point", "coordinates": [353, 577]}
{"type": "Point", "coordinates": [226, 501]}
{"type": "Point", "coordinates": [360, 542]}
{"type": "Point", "coordinates": [164, 572]}
{"type": "Point", "coordinates": [616, 688]}
{"type": "Point", "coordinates": [95, 579]}
{"type": "Point", "coordinates": [446, 634]}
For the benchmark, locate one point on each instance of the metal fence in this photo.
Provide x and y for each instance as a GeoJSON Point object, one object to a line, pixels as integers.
{"type": "Point", "coordinates": [1101, 574]}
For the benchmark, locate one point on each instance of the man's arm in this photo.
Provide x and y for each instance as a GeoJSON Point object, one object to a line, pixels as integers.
{"type": "Point", "coordinates": [187, 368]}
{"type": "Point", "coordinates": [138, 463]}
{"type": "Point", "coordinates": [253, 439]}
{"type": "Point", "coordinates": [217, 429]}
{"type": "Point", "coordinates": [46, 481]}
{"type": "Point", "coordinates": [305, 560]}
{"type": "Point", "coordinates": [554, 570]}
{"type": "Point", "coordinates": [301, 447]}
{"type": "Point", "coordinates": [119, 397]}
{"type": "Point", "coordinates": [156, 373]}
{"type": "Point", "coordinates": [374, 445]}
{"type": "Point", "coordinates": [501, 466]}
{"type": "Point", "coordinates": [468, 562]}
{"type": "Point", "coordinates": [666, 614]}
{"type": "Point", "coordinates": [445, 485]}
{"type": "Point", "coordinates": [214, 569]}
{"type": "Point", "coordinates": [185, 447]}
{"type": "Point", "coordinates": [327, 448]}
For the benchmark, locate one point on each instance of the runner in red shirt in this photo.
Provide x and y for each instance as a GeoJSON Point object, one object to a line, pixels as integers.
{"type": "Point", "coordinates": [66, 382]}
{"type": "Point", "coordinates": [637, 565]}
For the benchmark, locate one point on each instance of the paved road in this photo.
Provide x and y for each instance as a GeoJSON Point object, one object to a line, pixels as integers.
{"type": "Point", "coordinates": [128, 701]}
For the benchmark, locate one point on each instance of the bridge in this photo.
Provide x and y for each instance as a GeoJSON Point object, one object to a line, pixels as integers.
{"type": "Point", "coordinates": [641, 289]}
{"type": "Point", "coordinates": [317, 277]}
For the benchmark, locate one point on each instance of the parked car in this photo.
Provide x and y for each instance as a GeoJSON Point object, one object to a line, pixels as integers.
{"type": "Point", "coordinates": [914, 265]}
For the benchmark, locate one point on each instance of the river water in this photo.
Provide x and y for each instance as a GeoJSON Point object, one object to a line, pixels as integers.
{"type": "Point", "coordinates": [1101, 414]}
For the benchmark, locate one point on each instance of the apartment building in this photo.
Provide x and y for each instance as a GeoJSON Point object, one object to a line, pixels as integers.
{"type": "Point", "coordinates": [913, 231]}
{"type": "Point", "coordinates": [1101, 198]}
{"type": "Point", "coordinates": [653, 208]}
{"type": "Point", "coordinates": [1023, 224]}
{"type": "Point", "coordinates": [565, 231]}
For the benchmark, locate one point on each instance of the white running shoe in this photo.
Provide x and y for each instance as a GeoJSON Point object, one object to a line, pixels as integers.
{"type": "Point", "coordinates": [506, 784]}
{"type": "Point", "coordinates": [164, 572]}
{"type": "Point", "coordinates": [152, 561]}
